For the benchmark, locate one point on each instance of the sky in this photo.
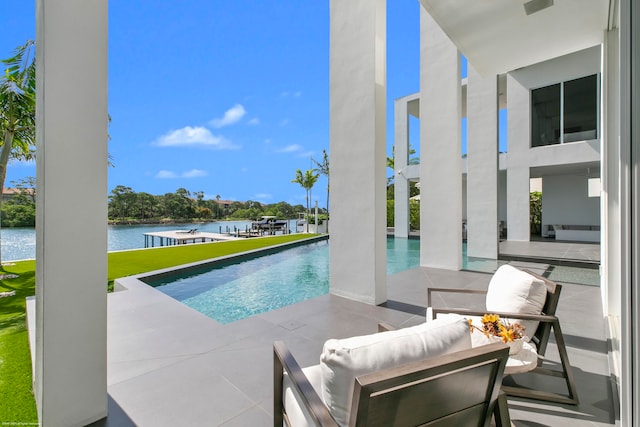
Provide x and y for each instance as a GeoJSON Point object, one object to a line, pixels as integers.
{"type": "Point", "coordinates": [224, 97]}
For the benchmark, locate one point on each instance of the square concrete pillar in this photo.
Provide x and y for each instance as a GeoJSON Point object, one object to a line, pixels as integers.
{"type": "Point", "coordinates": [610, 172]}
{"type": "Point", "coordinates": [358, 258]}
{"type": "Point", "coordinates": [71, 224]}
{"type": "Point", "coordinates": [401, 162]}
{"type": "Point", "coordinates": [482, 165]}
{"type": "Point", "coordinates": [440, 148]}
{"type": "Point", "coordinates": [519, 137]}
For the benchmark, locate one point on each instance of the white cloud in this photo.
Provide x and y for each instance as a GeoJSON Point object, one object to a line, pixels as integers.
{"type": "Point", "coordinates": [306, 154]}
{"type": "Point", "coordinates": [262, 196]}
{"type": "Point", "coordinates": [193, 136]}
{"type": "Point", "coordinates": [289, 149]}
{"type": "Point", "coordinates": [254, 121]}
{"type": "Point", "coordinates": [284, 122]}
{"type": "Point", "coordinates": [193, 173]}
{"type": "Point", "coordinates": [165, 174]}
{"type": "Point", "coordinates": [231, 116]}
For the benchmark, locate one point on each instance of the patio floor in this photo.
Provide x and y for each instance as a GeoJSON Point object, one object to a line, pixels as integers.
{"type": "Point", "coordinates": [169, 365]}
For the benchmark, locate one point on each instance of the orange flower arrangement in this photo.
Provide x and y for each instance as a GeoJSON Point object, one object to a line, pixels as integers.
{"type": "Point", "coordinates": [492, 325]}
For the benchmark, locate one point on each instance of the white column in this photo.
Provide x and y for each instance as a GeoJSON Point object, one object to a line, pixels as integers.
{"type": "Point", "coordinates": [627, 212]}
{"type": "Point", "coordinates": [611, 213]}
{"type": "Point", "coordinates": [71, 246]}
{"type": "Point", "coordinates": [401, 161]}
{"type": "Point", "coordinates": [358, 149]}
{"type": "Point", "coordinates": [519, 137]}
{"type": "Point", "coordinates": [440, 148]}
{"type": "Point", "coordinates": [482, 165]}
{"type": "Point", "coordinates": [610, 173]}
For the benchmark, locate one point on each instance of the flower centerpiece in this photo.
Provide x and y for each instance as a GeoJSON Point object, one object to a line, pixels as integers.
{"type": "Point", "coordinates": [496, 329]}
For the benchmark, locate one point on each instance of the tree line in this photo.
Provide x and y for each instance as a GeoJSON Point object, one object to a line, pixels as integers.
{"type": "Point", "coordinates": [128, 206]}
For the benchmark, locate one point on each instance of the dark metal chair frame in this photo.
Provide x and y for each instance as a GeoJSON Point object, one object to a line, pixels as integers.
{"type": "Point", "coordinates": [548, 322]}
{"type": "Point", "coordinates": [461, 389]}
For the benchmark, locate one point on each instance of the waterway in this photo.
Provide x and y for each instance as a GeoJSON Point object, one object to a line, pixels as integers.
{"type": "Point", "coordinates": [20, 243]}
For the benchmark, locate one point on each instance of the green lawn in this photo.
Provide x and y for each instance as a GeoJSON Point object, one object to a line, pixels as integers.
{"type": "Point", "coordinates": [17, 404]}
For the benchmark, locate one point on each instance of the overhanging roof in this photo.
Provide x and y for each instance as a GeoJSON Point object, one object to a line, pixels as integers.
{"type": "Point", "coordinates": [497, 36]}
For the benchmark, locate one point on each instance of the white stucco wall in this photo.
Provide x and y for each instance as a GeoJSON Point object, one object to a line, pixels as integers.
{"type": "Point", "coordinates": [401, 160]}
{"type": "Point", "coordinates": [518, 125]}
{"type": "Point", "coordinates": [611, 256]}
{"type": "Point", "coordinates": [568, 67]}
{"type": "Point", "coordinates": [482, 163]}
{"type": "Point", "coordinates": [357, 260]}
{"type": "Point", "coordinates": [440, 148]}
{"type": "Point", "coordinates": [565, 201]}
{"type": "Point", "coordinates": [71, 270]}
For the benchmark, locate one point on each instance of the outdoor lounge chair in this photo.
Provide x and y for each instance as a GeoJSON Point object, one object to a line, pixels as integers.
{"type": "Point", "coordinates": [424, 375]}
{"type": "Point", "coordinates": [511, 295]}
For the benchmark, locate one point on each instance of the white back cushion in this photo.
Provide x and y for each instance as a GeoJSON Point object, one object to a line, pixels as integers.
{"type": "Point", "coordinates": [343, 360]}
{"type": "Point", "coordinates": [516, 291]}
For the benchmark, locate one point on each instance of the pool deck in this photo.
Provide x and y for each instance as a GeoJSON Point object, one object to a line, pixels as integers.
{"type": "Point", "coordinates": [170, 365]}
{"type": "Point", "coordinates": [548, 250]}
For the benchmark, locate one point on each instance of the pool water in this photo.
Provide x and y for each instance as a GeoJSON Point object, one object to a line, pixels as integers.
{"type": "Point", "coordinates": [238, 290]}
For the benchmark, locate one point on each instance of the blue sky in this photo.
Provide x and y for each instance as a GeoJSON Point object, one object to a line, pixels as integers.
{"type": "Point", "coordinates": [225, 97]}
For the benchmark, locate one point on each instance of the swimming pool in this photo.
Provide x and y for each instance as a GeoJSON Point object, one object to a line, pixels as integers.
{"type": "Point", "coordinates": [236, 290]}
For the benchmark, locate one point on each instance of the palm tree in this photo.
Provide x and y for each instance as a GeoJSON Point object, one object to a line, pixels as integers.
{"type": "Point", "coordinates": [323, 169]}
{"type": "Point", "coordinates": [307, 181]}
{"type": "Point", "coordinates": [17, 108]}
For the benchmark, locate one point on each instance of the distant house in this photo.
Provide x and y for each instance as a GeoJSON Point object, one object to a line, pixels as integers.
{"type": "Point", "coordinates": [10, 193]}
{"type": "Point", "coordinates": [224, 204]}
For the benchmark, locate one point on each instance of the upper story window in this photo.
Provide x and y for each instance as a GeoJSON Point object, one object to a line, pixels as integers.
{"type": "Point", "coordinates": [565, 112]}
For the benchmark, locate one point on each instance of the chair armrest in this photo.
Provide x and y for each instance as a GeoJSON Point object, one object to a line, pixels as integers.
{"type": "Point", "coordinates": [384, 327]}
{"type": "Point", "coordinates": [283, 361]}
{"type": "Point", "coordinates": [451, 290]}
{"type": "Point", "coordinates": [538, 317]}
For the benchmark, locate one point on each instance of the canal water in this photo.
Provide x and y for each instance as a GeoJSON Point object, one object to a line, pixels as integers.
{"type": "Point", "coordinates": [20, 243]}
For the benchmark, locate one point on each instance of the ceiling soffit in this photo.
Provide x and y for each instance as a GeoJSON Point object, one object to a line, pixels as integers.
{"type": "Point", "coordinates": [498, 36]}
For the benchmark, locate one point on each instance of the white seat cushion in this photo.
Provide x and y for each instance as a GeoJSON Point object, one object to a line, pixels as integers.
{"type": "Point", "coordinates": [516, 291]}
{"type": "Point", "coordinates": [343, 360]}
{"type": "Point", "coordinates": [291, 400]}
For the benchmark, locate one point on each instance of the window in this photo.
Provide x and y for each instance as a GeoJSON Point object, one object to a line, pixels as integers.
{"type": "Point", "coordinates": [577, 100]}
{"type": "Point", "coordinates": [545, 120]}
{"type": "Point", "coordinates": [580, 109]}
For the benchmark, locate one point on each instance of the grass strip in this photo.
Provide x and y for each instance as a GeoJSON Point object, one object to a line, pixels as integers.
{"type": "Point", "coordinates": [17, 404]}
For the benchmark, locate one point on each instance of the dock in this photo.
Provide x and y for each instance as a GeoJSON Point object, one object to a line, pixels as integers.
{"type": "Point", "coordinates": [182, 237]}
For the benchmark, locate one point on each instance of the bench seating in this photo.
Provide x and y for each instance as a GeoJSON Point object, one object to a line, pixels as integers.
{"type": "Point", "coordinates": [580, 233]}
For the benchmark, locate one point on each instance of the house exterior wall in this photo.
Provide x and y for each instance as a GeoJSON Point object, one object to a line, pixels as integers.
{"type": "Point", "coordinates": [565, 201]}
